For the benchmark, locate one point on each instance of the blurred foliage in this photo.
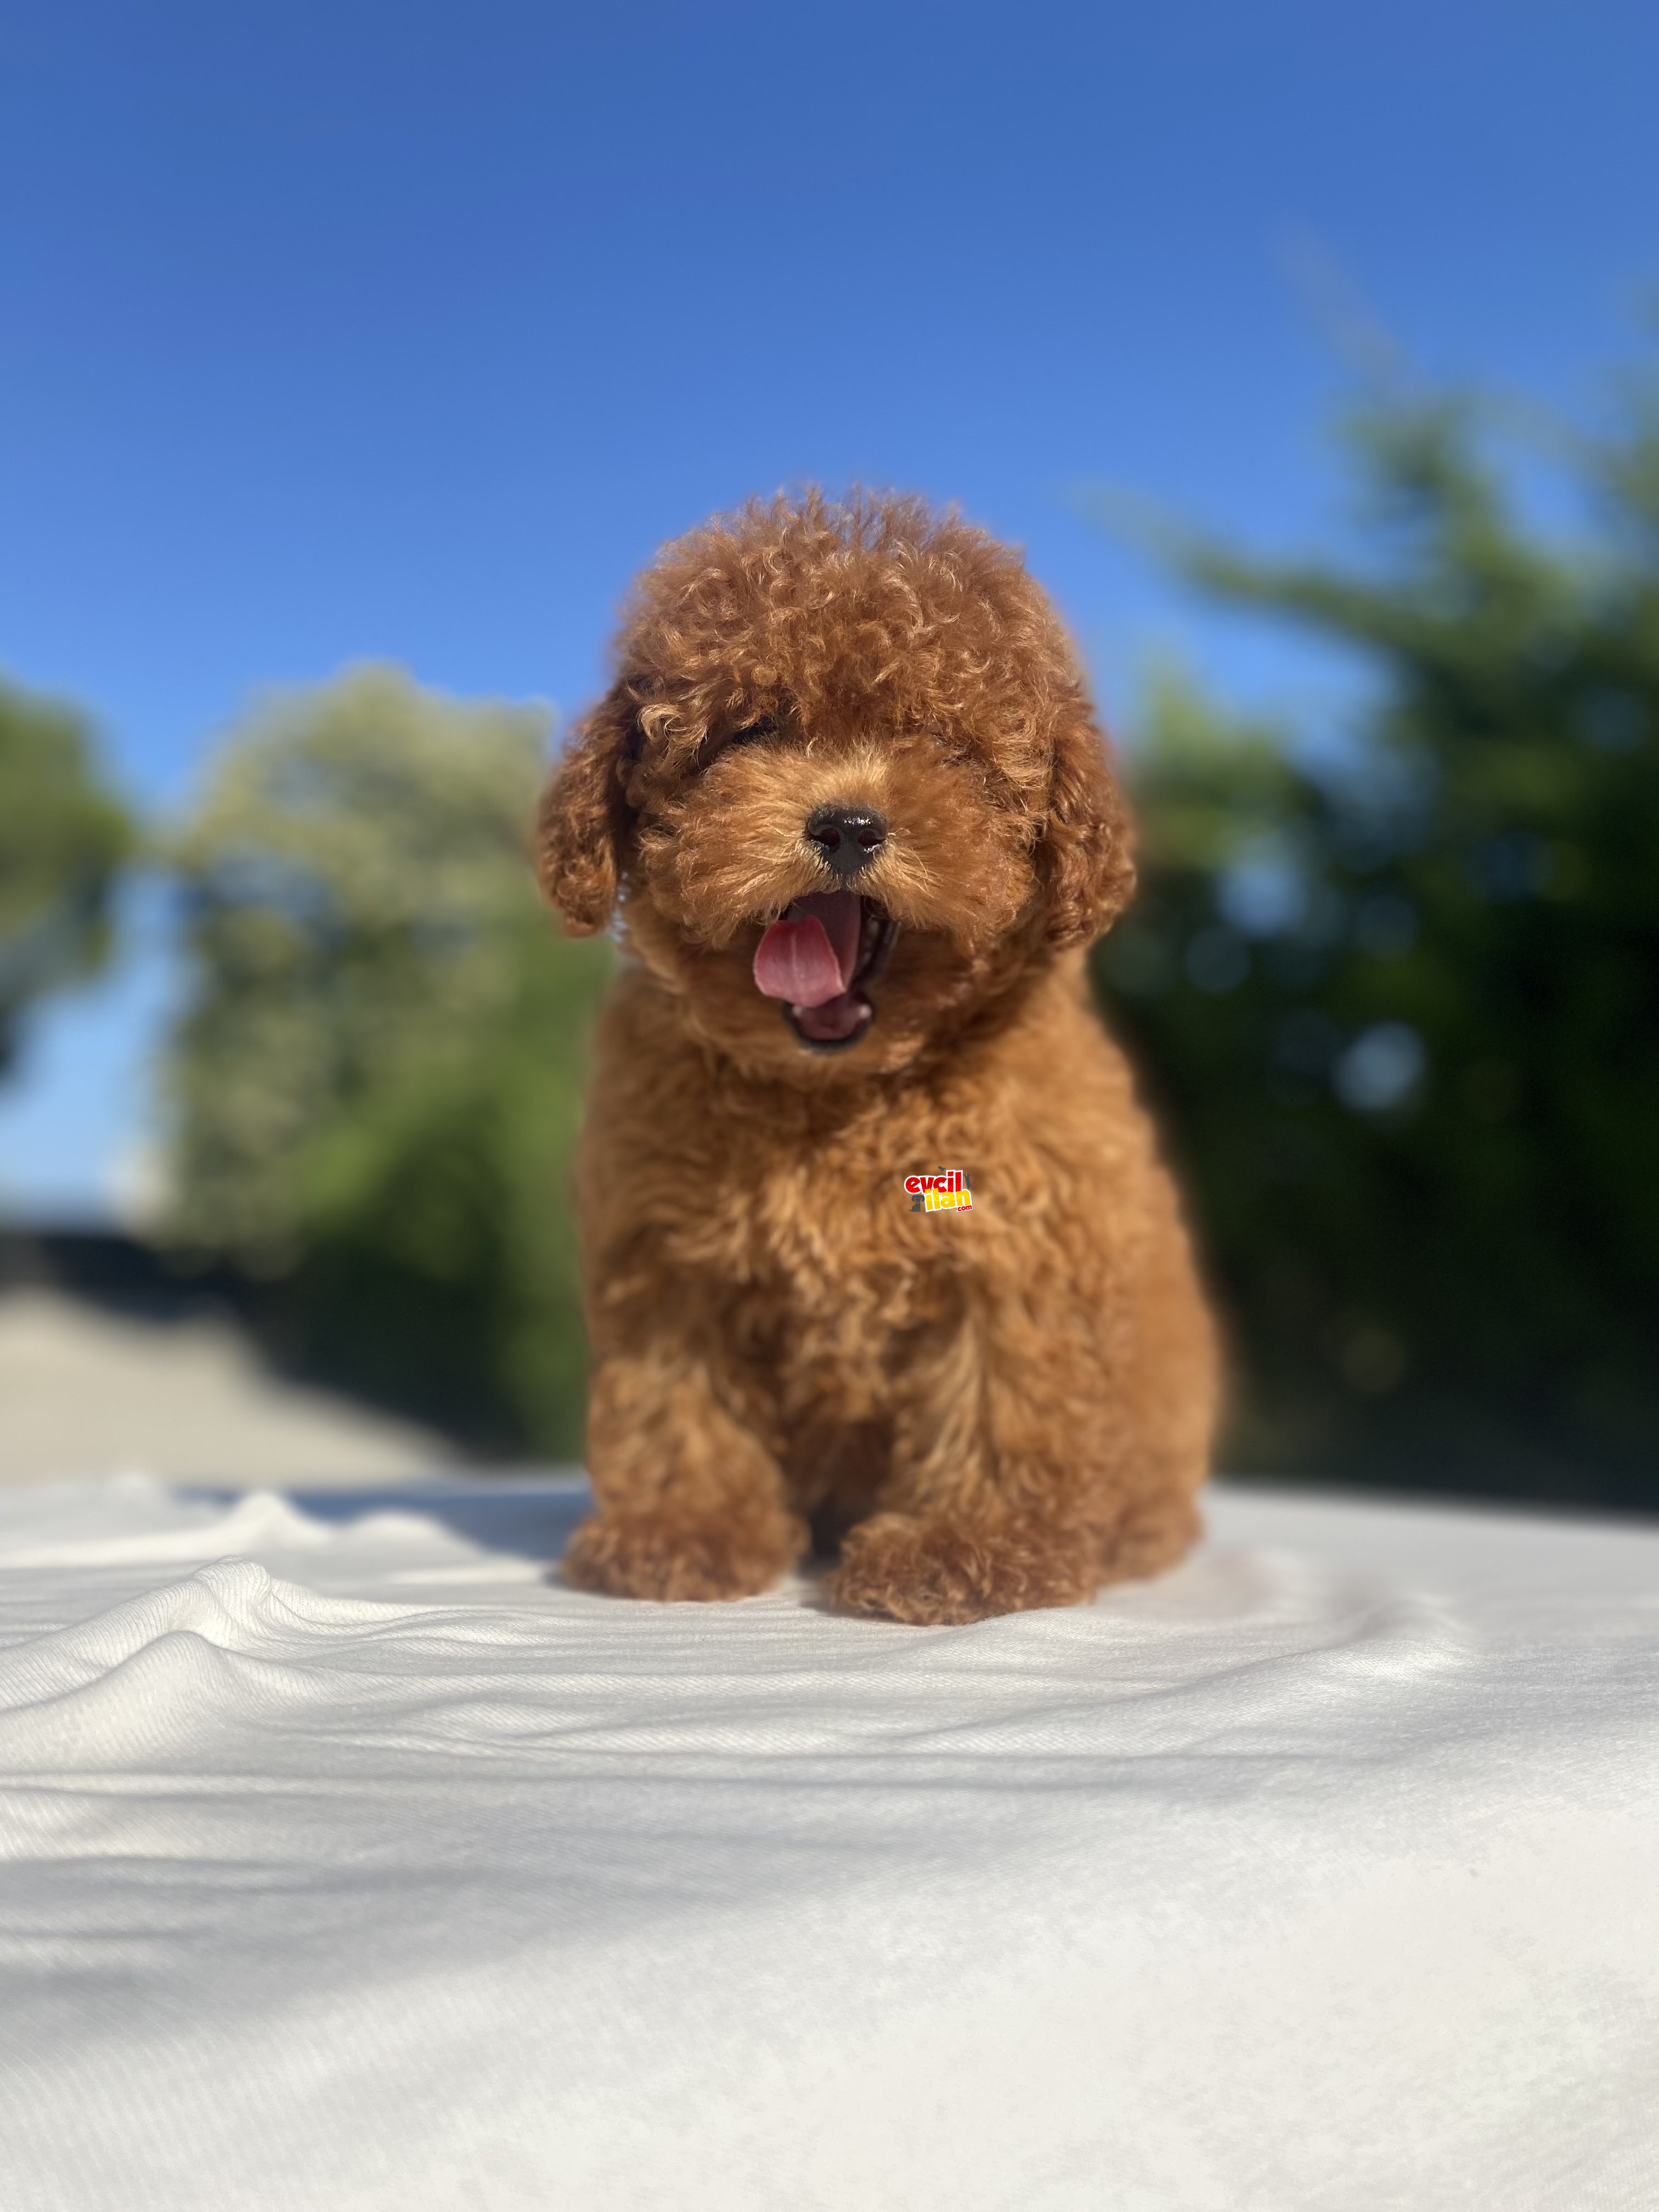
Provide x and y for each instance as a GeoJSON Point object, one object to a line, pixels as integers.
{"type": "Point", "coordinates": [63, 838]}
{"type": "Point", "coordinates": [1399, 998]}
{"type": "Point", "coordinates": [375, 1086]}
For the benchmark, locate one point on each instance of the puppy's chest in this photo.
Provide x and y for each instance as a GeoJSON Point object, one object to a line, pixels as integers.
{"type": "Point", "coordinates": [831, 1234]}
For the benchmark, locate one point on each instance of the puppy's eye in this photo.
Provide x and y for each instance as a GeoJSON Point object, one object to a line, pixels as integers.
{"type": "Point", "coordinates": [752, 733]}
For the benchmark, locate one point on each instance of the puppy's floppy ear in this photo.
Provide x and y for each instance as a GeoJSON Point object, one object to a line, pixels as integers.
{"type": "Point", "coordinates": [583, 826]}
{"type": "Point", "coordinates": [1084, 852]}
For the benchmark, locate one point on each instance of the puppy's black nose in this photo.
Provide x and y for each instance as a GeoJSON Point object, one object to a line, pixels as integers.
{"type": "Point", "coordinates": [847, 838]}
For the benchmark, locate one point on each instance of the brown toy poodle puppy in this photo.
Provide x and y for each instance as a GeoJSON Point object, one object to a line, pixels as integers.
{"type": "Point", "coordinates": [848, 799]}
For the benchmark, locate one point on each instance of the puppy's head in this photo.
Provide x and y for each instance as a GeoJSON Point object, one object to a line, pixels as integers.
{"type": "Point", "coordinates": [846, 789]}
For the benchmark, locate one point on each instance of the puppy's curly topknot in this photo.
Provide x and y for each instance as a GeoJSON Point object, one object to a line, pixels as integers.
{"type": "Point", "coordinates": [848, 805]}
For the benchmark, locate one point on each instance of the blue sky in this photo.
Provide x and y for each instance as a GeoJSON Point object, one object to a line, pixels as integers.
{"type": "Point", "coordinates": [347, 330]}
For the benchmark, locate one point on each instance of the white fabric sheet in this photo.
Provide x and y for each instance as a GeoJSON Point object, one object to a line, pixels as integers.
{"type": "Point", "coordinates": [344, 1863]}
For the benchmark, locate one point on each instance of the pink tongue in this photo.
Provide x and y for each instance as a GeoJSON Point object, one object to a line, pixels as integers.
{"type": "Point", "coordinates": [808, 957]}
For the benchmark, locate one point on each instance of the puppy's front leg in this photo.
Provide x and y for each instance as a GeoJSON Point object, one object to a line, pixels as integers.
{"type": "Point", "coordinates": [1019, 1480]}
{"type": "Point", "coordinates": [690, 1499]}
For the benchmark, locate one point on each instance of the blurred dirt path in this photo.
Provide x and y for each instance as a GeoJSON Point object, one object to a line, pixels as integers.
{"type": "Point", "coordinates": [84, 1391]}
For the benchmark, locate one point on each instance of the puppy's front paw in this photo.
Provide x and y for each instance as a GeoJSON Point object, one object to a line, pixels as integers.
{"type": "Point", "coordinates": [948, 1571]}
{"type": "Point", "coordinates": [656, 1555]}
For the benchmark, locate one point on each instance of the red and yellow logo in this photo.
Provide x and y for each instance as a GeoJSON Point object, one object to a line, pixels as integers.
{"type": "Point", "coordinates": [947, 1192]}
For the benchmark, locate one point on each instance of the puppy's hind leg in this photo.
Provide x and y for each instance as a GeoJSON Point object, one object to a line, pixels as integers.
{"type": "Point", "coordinates": [1150, 1536]}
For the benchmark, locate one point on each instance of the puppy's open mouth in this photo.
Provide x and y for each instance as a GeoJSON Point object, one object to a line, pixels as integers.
{"type": "Point", "coordinates": [820, 957]}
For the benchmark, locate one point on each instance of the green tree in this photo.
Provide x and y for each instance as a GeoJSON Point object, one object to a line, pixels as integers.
{"type": "Point", "coordinates": [1401, 1004]}
{"type": "Point", "coordinates": [62, 839]}
{"type": "Point", "coordinates": [375, 1084]}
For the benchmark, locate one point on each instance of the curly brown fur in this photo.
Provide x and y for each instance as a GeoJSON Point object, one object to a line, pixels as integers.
{"type": "Point", "coordinates": [995, 1409]}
